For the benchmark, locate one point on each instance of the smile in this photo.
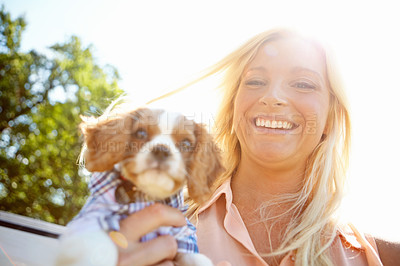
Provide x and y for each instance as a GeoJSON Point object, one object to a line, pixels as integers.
{"type": "Point", "coordinates": [274, 124]}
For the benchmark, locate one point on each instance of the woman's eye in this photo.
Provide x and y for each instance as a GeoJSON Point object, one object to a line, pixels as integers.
{"type": "Point", "coordinates": [141, 134]}
{"type": "Point", "coordinates": [185, 145]}
{"type": "Point", "coordinates": [304, 85]}
{"type": "Point", "coordinates": [255, 83]}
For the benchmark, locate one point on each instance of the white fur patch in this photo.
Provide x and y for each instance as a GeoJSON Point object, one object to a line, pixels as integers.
{"type": "Point", "coordinates": [168, 121]}
{"type": "Point", "coordinates": [87, 248]}
{"type": "Point", "coordinates": [174, 162]}
{"type": "Point", "coordinates": [156, 184]}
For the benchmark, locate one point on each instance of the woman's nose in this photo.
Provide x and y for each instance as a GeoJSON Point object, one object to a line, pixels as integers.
{"type": "Point", "coordinates": [273, 96]}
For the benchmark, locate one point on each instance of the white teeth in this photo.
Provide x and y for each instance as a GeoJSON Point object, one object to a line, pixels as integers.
{"type": "Point", "coordinates": [273, 124]}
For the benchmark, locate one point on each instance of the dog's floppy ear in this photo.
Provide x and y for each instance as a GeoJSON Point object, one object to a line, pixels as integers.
{"type": "Point", "coordinates": [205, 167]}
{"type": "Point", "coordinates": [106, 140]}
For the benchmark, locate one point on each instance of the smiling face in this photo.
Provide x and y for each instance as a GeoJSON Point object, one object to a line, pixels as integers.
{"type": "Point", "coordinates": [282, 103]}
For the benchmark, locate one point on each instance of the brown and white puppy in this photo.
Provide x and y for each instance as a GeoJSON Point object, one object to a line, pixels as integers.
{"type": "Point", "coordinates": [159, 152]}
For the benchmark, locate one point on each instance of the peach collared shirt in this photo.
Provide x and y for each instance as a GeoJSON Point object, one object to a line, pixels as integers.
{"type": "Point", "coordinates": [222, 236]}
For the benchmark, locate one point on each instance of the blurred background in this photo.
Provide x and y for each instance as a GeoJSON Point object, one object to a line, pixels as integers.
{"type": "Point", "coordinates": [60, 59]}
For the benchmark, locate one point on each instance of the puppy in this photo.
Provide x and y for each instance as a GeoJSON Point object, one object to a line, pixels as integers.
{"type": "Point", "coordinates": [139, 157]}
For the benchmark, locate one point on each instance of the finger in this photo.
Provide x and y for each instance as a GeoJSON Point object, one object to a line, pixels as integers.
{"type": "Point", "coordinates": [152, 252]}
{"type": "Point", "coordinates": [150, 218]}
{"type": "Point", "coordinates": [224, 263]}
{"type": "Point", "coordinates": [165, 263]}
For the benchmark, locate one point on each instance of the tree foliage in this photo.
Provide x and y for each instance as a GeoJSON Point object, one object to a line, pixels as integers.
{"type": "Point", "coordinates": [41, 99]}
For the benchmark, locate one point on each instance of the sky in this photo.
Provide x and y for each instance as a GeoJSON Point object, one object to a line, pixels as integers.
{"type": "Point", "coordinates": [158, 45]}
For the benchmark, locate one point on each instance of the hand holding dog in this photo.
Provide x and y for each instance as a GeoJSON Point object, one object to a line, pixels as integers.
{"type": "Point", "coordinates": [160, 250]}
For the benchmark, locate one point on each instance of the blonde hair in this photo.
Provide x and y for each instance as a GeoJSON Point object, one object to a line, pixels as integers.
{"type": "Point", "coordinates": [313, 225]}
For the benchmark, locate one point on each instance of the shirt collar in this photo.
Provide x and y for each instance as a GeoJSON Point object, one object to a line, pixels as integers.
{"type": "Point", "coordinates": [345, 232]}
{"type": "Point", "coordinates": [348, 237]}
{"type": "Point", "coordinates": [225, 188]}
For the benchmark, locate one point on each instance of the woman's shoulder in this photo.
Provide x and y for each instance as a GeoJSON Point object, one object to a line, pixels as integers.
{"type": "Point", "coordinates": [378, 250]}
{"type": "Point", "coordinates": [356, 245]}
{"type": "Point", "coordinates": [389, 252]}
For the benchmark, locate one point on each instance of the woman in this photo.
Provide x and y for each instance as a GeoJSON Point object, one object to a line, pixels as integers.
{"type": "Point", "coordinates": [285, 129]}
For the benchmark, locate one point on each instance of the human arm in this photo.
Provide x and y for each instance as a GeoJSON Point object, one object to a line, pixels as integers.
{"type": "Point", "coordinates": [389, 252]}
{"type": "Point", "coordinates": [86, 242]}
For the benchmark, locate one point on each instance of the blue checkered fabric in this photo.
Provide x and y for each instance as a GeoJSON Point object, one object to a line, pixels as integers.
{"type": "Point", "coordinates": [103, 208]}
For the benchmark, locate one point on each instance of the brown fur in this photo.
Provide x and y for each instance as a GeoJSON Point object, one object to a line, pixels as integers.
{"type": "Point", "coordinates": [205, 167]}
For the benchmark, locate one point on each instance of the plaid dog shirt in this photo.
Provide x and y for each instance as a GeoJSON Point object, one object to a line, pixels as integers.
{"type": "Point", "coordinates": [104, 211]}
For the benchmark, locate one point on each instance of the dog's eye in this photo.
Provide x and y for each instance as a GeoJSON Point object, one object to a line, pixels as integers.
{"type": "Point", "coordinates": [185, 145]}
{"type": "Point", "coordinates": [141, 134]}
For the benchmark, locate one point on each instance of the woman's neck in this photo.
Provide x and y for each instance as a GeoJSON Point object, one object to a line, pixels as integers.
{"type": "Point", "coordinates": [256, 190]}
{"type": "Point", "coordinates": [257, 183]}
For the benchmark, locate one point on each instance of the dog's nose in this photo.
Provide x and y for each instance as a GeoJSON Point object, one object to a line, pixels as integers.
{"type": "Point", "coordinates": [160, 152]}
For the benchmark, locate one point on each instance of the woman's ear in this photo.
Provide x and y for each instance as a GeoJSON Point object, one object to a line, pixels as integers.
{"type": "Point", "coordinates": [205, 167]}
{"type": "Point", "coordinates": [106, 141]}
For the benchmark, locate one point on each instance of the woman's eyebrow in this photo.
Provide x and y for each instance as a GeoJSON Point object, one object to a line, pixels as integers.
{"type": "Point", "coordinates": [294, 70]}
{"type": "Point", "coordinates": [304, 69]}
{"type": "Point", "coordinates": [254, 69]}
{"type": "Point", "coordinates": [260, 68]}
